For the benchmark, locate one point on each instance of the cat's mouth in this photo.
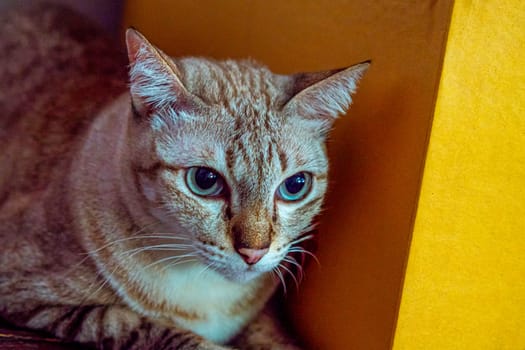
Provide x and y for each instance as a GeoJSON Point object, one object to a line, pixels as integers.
{"type": "Point", "coordinates": [235, 268]}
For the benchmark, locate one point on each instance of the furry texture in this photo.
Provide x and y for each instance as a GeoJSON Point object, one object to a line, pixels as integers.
{"type": "Point", "coordinates": [105, 243]}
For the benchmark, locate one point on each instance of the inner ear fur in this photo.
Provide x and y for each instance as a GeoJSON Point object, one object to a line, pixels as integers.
{"type": "Point", "coordinates": [155, 80]}
{"type": "Point", "coordinates": [325, 94]}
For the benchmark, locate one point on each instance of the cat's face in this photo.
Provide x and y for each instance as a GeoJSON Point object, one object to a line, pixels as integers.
{"type": "Point", "coordinates": [231, 157]}
{"type": "Point", "coordinates": [231, 184]}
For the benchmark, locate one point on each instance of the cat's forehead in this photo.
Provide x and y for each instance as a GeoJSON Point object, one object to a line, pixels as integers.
{"type": "Point", "coordinates": [244, 88]}
{"type": "Point", "coordinates": [244, 132]}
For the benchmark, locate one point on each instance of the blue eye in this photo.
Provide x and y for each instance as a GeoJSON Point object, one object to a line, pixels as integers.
{"type": "Point", "coordinates": [204, 181]}
{"type": "Point", "coordinates": [295, 187]}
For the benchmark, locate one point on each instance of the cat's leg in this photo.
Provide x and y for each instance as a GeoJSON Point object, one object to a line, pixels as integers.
{"type": "Point", "coordinates": [265, 333]}
{"type": "Point", "coordinates": [108, 327]}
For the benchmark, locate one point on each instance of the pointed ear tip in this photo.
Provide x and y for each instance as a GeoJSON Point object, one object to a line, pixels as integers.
{"type": "Point", "coordinates": [134, 41]}
{"type": "Point", "coordinates": [360, 68]}
{"type": "Point", "coordinates": [132, 33]}
{"type": "Point", "coordinates": [364, 65]}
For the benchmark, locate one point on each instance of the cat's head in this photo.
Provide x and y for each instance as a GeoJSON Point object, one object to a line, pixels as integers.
{"type": "Point", "coordinates": [230, 155]}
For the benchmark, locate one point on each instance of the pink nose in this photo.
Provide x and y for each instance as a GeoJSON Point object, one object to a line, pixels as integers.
{"type": "Point", "coordinates": [252, 256]}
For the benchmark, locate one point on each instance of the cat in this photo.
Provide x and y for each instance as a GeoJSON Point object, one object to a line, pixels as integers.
{"type": "Point", "coordinates": [155, 205]}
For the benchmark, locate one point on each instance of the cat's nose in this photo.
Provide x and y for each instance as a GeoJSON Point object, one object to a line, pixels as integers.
{"type": "Point", "coordinates": [252, 256]}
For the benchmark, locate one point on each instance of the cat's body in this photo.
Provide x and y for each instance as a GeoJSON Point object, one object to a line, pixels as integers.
{"type": "Point", "coordinates": [107, 239]}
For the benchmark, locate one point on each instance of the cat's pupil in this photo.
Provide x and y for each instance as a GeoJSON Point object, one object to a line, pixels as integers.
{"type": "Point", "coordinates": [295, 183]}
{"type": "Point", "coordinates": [205, 178]}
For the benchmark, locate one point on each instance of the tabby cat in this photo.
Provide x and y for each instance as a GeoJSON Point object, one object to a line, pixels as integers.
{"type": "Point", "coordinates": [155, 207]}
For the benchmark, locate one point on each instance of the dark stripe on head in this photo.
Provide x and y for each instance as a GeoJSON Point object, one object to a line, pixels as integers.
{"type": "Point", "coordinates": [270, 152]}
{"type": "Point", "coordinates": [274, 213]}
{"type": "Point", "coordinates": [230, 152]}
{"type": "Point", "coordinates": [243, 152]}
{"type": "Point", "coordinates": [260, 165]}
{"type": "Point", "coordinates": [282, 158]}
{"type": "Point", "coordinates": [265, 92]}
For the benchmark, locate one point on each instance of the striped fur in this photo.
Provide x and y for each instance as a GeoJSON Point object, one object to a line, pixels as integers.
{"type": "Point", "coordinates": [103, 241]}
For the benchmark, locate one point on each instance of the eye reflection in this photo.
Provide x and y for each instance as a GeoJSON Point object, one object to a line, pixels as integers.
{"type": "Point", "coordinates": [204, 182]}
{"type": "Point", "coordinates": [296, 187]}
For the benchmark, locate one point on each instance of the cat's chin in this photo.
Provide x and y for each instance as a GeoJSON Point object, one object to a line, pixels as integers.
{"type": "Point", "coordinates": [243, 276]}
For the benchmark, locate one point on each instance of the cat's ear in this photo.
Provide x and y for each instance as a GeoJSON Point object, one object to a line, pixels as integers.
{"type": "Point", "coordinates": [154, 78]}
{"type": "Point", "coordinates": [324, 95]}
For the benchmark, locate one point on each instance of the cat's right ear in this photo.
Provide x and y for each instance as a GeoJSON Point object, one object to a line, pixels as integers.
{"type": "Point", "coordinates": [154, 78]}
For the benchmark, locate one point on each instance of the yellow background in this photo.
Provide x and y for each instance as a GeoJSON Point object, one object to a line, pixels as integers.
{"type": "Point", "coordinates": [465, 282]}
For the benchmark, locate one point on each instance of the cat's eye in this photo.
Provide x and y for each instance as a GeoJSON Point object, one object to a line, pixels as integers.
{"type": "Point", "coordinates": [295, 188]}
{"type": "Point", "coordinates": [204, 181]}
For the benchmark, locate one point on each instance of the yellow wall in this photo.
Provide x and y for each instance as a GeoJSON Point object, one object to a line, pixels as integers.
{"type": "Point", "coordinates": [377, 151]}
{"type": "Point", "coordinates": [465, 283]}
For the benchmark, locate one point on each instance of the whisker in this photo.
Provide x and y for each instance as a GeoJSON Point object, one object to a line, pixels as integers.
{"type": "Point", "coordinates": [207, 267]}
{"type": "Point", "coordinates": [301, 239]}
{"type": "Point", "coordinates": [87, 254]}
{"type": "Point", "coordinates": [128, 256]}
{"type": "Point", "coordinates": [103, 278]}
{"type": "Point", "coordinates": [132, 251]}
{"type": "Point", "coordinates": [169, 258]}
{"type": "Point", "coordinates": [175, 263]}
{"type": "Point", "coordinates": [294, 262]}
{"type": "Point", "coordinates": [103, 283]}
{"type": "Point", "coordinates": [281, 278]}
{"type": "Point", "coordinates": [135, 237]}
{"type": "Point", "coordinates": [291, 274]}
{"type": "Point", "coordinates": [304, 251]}
{"type": "Point", "coordinates": [158, 247]}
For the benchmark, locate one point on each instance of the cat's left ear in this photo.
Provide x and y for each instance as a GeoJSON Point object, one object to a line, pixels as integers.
{"type": "Point", "coordinates": [323, 95]}
{"type": "Point", "coordinates": [155, 82]}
